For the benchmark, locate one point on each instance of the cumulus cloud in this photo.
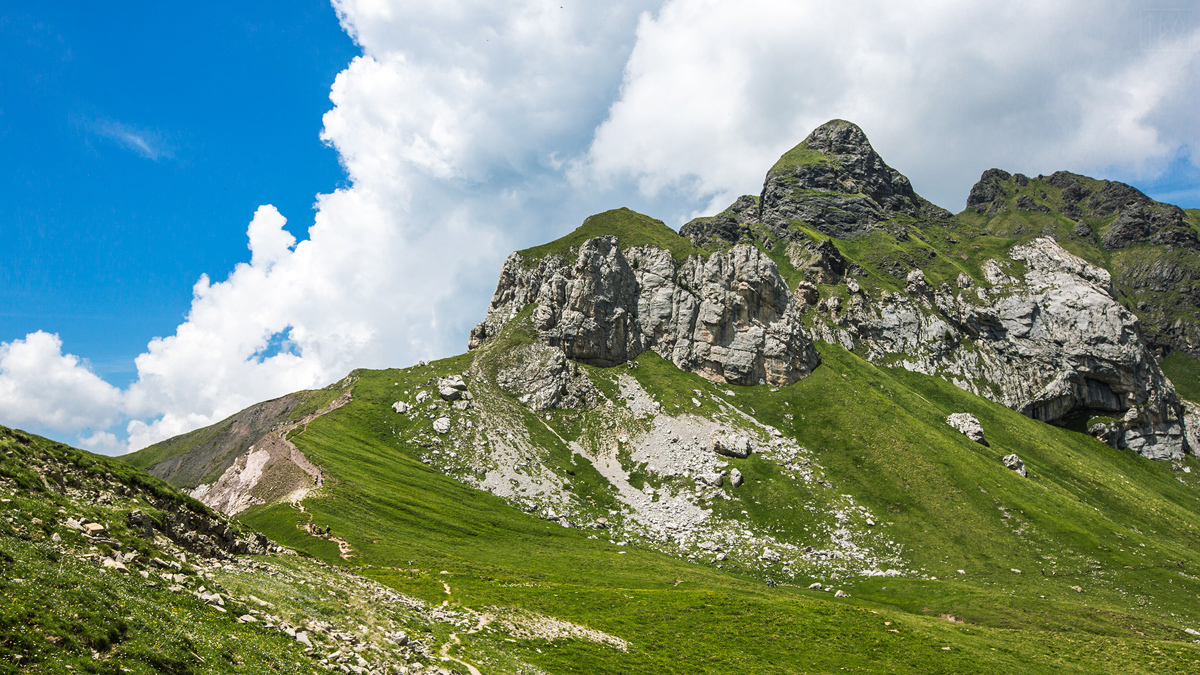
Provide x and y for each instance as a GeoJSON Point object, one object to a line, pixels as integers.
{"type": "Point", "coordinates": [446, 126]}
{"type": "Point", "coordinates": [713, 93]}
{"type": "Point", "coordinates": [42, 388]}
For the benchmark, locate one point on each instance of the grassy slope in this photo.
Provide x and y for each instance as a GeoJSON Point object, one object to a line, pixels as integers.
{"type": "Point", "coordinates": [1184, 373]}
{"type": "Point", "coordinates": [631, 229]}
{"type": "Point", "coordinates": [1082, 515]}
{"type": "Point", "coordinates": [61, 614]}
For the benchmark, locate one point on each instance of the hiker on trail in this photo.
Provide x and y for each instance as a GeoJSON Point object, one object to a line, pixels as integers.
{"type": "Point", "coordinates": [770, 583]}
{"type": "Point", "coordinates": [326, 529]}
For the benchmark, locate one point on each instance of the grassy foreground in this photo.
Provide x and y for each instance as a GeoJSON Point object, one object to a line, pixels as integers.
{"type": "Point", "coordinates": [1105, 542]}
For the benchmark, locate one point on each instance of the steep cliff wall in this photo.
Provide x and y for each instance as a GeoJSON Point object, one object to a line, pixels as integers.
{"type": "Point", "coordinates": [728, 316]}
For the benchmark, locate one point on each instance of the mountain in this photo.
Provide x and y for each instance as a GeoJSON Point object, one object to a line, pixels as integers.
{"type": "Point", "coordinates": [952, 443]}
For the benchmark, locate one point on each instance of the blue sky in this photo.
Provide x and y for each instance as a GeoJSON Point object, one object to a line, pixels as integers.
{"type": "Point", "coordinates": [136, 146]}
{"type": "Point", "coordinates": [211, 205]}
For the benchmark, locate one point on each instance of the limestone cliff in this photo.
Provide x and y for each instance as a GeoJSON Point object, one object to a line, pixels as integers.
{"type": "Point", "coordinates": [728, 316]}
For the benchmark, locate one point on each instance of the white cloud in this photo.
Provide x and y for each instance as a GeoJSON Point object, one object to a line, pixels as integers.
{"type": "Point", "coordinates": [40, 387]}
{"type": "Point", "coordinates": [715, 92]}
{"type": "Point", "coordinates": [445, 126]}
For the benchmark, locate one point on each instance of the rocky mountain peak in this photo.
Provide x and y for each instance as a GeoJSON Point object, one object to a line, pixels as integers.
{"type": "Point", "coordinates": [839, 137]}
{"type": "Point", "coordinates": [835, 182]}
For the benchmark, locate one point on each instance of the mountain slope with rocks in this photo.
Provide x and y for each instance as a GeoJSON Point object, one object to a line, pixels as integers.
{"type": "Point", "coordinates": [890, 437]}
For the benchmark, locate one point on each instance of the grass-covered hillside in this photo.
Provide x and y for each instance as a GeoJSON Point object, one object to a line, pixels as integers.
{"type": "Point", "coordinates": [1105, 542]}
{"type": "Point", "coordinates": [98, 576]}
{"type": "Point", "coordinates": [629, 227]}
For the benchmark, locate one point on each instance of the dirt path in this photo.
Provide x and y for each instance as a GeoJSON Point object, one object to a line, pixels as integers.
{"type": "Point", "coordinates": [345, 550]}
{"type": "Point", "coordinates": [445, 655]}
{"type": "Point", "coordinates": [444, 652]}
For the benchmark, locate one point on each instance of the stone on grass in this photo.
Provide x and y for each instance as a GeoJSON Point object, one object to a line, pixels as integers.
{"type": "Point", "coordinates": [442, 425]}
{"type": "Point", "coordinates": [731, 445]}
{"type": "Point", "coordinates": [1013, 462]}
{"type": "Point", "coordinates": [968, 425]}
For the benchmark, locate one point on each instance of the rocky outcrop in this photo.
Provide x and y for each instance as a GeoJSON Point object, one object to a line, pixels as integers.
{"type": "Point", "coordinates": [835, 182]}
{"type": "Point", "coordinates": [729, 317]}
{"type": "Point", "coordinates": [820, 261]}
{"type": "Point", "coordinates": [542, 379]}
{"type": "Point", "coordinates": [1052, 343]}
{"type": "Point", "coordinates": [731, 226]}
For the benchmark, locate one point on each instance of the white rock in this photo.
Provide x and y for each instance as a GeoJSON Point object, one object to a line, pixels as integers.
{"type": "Point", "coordinates": [1013, 462]}
{"type": "Point", "coordinates": [442, 425]}
{"type": "Point", "coordinates": [400, 407]}
{"type": "Point", "coordinates": [968, 425]}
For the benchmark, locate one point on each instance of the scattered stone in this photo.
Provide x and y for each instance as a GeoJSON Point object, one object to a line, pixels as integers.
{"type": "Point", "coordinates": [442, 425]}
{"type": "Point", "coordinates": [1013, 462]}
{"type": "Point", "coordinates": [449, 393]}
{"type": "Point", "coordinates": [94, 529]}
{"type": "Point", "coordinates": [968, 425]}
{"type": "Point", "coordinates": [841, 594]}
{"type": "Point", "coordinates": [422, 396]}
{"type": "Point", "coordinates": [1015, 570]}
{"type": "Point", "coordinates": [400, 407]}
{"type": "Point", "coordinates": [735, 478]}
{"type": "Point", "coordinates": [815, 586]}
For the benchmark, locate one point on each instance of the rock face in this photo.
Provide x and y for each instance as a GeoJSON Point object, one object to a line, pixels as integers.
{"type": "Point", "coordinates": [838, 184]}
{"type": "Point", "coordinates": [1053, 343]}
{"type": "Point", "coordinates": [1159, 279]}
{"type": "Point", "coordinates": [968, 426]}
{"type": "Point", "coordinates": [729, 317]}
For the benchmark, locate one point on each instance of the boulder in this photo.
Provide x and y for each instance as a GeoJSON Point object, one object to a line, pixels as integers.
{"type": "Point", "coordinates": [450, 393]}
{"type": "Point", "coordinates": [735, 478]}
{"type": "Point", "coordinates": [400, 407]}
{"type": "Point", "coordinates": [442, 425]}
{"type": "Point", "coordinates": [452, 382]}
{"type": "Point", "coordinates": [1013, 462]}
{"type": "Point", "coordinates": [968, 425]}
{"type": "Point", "coordinates": [731, 445]}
